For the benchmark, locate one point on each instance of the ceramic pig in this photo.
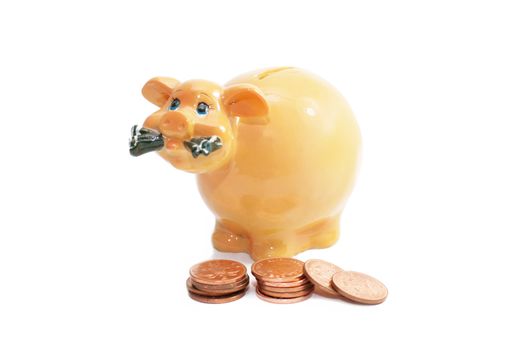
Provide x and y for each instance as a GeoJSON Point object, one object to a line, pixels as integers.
{"type": "Point", "coordinates": [275, 152]}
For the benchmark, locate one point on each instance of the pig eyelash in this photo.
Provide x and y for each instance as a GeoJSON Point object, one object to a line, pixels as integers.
{"type": "Point", "coordinates": [210, 107]}
{"type": "Point", "coordinates": [203, 109]}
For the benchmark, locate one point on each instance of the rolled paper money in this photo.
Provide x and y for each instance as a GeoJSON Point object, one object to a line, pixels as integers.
{"type": "Point", "coordinates": [144, 140]}
{"type": "Point", "coordinates": [203, 145]}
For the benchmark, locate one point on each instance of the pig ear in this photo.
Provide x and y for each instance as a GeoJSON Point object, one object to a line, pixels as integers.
{"type": "Point", "coordinates": [158, 90]}
{"type": "Point", "coordinates": [247, 102]}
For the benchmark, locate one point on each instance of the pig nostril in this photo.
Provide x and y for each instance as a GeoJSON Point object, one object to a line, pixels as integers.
{"type": "Point", "coordinates": [174, 124]}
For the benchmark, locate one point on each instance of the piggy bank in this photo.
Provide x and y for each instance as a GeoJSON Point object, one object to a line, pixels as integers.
{"type": "Point", "coordinates": [274, 151]}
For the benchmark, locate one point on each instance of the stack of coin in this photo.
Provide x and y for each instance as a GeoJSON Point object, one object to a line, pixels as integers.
{"type": "Point", "coordinates": [217, 281]}
{"type": "Point", "coordinates": [281, 280]}
{"type": "Point", "coordinates": [331, 280]}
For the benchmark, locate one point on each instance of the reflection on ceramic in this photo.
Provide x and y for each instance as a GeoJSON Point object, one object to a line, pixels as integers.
{"type": "Point", "coordinates": [275, 152]}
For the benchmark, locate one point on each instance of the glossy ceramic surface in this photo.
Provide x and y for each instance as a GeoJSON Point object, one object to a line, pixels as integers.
{"type": "Point", "coordinates": [289, 147]}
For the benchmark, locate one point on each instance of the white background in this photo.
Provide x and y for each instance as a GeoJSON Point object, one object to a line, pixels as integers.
{"type": "Point", "coordinates": [95, 245]}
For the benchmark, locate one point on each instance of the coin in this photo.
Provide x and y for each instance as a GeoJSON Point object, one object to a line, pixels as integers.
{"type": "Point", "coordinates": [217, 299]}
{"type": "Point", "coordinates": [298, 283]}
{"type": "Point", "coordinates": [269, 299]}
{"type": "Point", "coordinates": [320, 273]}
{"type": "Point", "coordinates": [286, 294]}
{"type": "Point", "coordinates": [284, 289]}
{"type": "Point", "coordinates": [213, 292]}
{"type": "Point", "coordinates": [278, 269]}
{"type": "Point", "coordinates": [218, 272]}
{"type": "Point", "coordinates": [359, 287]}
{"type": "Point", "coordinates": [218, 287]}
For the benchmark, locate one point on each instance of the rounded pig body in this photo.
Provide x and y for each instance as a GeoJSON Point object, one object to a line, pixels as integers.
{"type": "Point", "coordinates": [284, 174]}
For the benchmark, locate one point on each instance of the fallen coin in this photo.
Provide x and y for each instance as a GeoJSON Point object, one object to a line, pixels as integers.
{"type": "Point", "coordinates": [320, 273]}
{"type": "Point", "coordinates": [359, 287]}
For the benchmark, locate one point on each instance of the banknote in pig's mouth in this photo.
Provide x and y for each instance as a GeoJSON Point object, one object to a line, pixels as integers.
{"type": "Point", "coordinates": [146, 140]}
{"type": "Point", "coordinates": [203, 145]}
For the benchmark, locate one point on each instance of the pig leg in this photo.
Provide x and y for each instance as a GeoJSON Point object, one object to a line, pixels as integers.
{"type": "Point", "coordinates": [319, 234]}
{"type": "Point", "coordinates": [274, 246]}
{"type": "Point", "coordinates": [230, 237]}
{"type": "Point", "coordinates": [287, 243]}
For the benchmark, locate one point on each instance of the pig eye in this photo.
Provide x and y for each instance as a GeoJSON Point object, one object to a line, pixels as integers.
{"type": "Point", "coordinates": [174, 104]}
{"type": "Point", "coordinates": [202, 109]}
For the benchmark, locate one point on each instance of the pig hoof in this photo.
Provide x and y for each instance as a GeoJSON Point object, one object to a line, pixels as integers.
{"type": "Point", "coordinates": [325, 239]}
{"type": "Point", "coordinates": [225, 240]}
{"type": "Point", "coordinates": [321, 234]}
{"type": "Point", "coordinates": [269, 249]}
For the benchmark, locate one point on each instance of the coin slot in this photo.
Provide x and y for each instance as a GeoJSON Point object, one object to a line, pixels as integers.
{"type": "Point", "coordinates": [269, 72]}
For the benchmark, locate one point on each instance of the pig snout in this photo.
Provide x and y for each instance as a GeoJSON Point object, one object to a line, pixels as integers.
{"type": "Point", "coordinates": [176, 125]}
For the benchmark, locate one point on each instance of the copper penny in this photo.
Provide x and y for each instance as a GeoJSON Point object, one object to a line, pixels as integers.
{"type": "Point", "coordinates": [284, 289]}
{"type": "Point", "coordinates": [281, 294]}
{"type": "Point", "coordinates": [269, 299]}
{"type": "Point", "coordinates": [218, 272]}
{"type": "Point", "coordinates": [320, 273]}
{"type": "Point", "coordinates": [220, 287]}
{"type": "Point", "coordinates": [217, 299]}
{"type": "Point", "coordinates": [278, 269]}
{"type": "Point", "coordinates": [213, 292]}
{"type": "Point", "coordinates": [359, 287]}
{"type": "Point", "coordinates": [297, 283]}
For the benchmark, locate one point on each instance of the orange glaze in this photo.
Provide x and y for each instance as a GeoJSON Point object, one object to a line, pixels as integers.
{"type": "Point", "coordinates": [290, 147]}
